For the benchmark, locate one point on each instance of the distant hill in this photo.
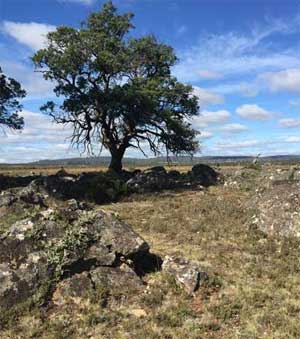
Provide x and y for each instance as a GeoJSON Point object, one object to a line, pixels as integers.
{"type": "Point", "coordinates": [135, 162]}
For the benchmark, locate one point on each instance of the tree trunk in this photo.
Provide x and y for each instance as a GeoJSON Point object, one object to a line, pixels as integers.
{"type": "Point", "coordinates": [116, 161]}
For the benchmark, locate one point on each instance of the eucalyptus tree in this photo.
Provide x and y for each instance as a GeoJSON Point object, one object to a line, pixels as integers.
{"type": "Point", "coordinates": [117, 89]}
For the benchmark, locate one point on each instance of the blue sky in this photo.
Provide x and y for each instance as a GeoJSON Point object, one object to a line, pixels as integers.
{"type": "Point", "coordinates": [241, 56]}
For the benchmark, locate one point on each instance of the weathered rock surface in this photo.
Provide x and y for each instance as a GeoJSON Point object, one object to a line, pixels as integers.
{"type": "Point", "coordinates": [204, 174]}
{"type": "Point", "coordinates": [187, 273]}
{"type": "Point", "coordinates": [107, 187]}
{"type": "Point", "coordinates": [64, 247]}
{"type": "Point", "coordinates": [278, 209]}
{"type": "Point", "coordinates": [83, 284]}
{"type": "Point", "coordinates": [53, 244]}
{"type": "Point", "coordinates": [95, 187]}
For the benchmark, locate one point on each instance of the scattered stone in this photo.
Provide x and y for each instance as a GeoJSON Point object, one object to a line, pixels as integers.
{"type": "Point", "coordinates": [187, 273]}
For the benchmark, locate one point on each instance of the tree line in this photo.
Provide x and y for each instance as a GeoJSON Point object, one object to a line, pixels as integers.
{"type": "Point", "coordinates": [117, 90]}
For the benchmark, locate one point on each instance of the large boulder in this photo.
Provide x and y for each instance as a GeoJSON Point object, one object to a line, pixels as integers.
{"type": "Point", "coordinates": [56, 243]}
{"type": "Point", "coordinates": [204, 175]}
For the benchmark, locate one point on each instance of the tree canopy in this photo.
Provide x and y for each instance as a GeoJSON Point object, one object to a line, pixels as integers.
{"type": "Point", "coordinates": [118, 90]}
{"type": "Point", "coordinates": [10, 92]}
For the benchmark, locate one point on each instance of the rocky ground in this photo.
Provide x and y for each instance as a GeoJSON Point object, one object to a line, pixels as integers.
{"type": "Point", "coordinates": [196, 255]}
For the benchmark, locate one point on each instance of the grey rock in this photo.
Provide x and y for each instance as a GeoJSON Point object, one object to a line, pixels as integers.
{"type": "Point", "coordinates": [37, 252]}
{"type": "Point", "coordinates": [187, 273]}
{"type": "Point", "coordinates": [115, 277]}
{"type": "Point", "coordinates": [205, 175]}
{"type": "Point", "coordinates": [158, 179]}
{"type": "Point", "coordinates": [278, 209]}
{"type": "Point", "coordinates": [7, 199]}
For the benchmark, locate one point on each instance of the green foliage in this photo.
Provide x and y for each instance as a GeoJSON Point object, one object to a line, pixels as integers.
{"type": "Point", "coordinates": [10, 91]}
{"type": "Point", "coordinates": [75, 239]}
{"type": "Point", "coordinates": [117, 90]}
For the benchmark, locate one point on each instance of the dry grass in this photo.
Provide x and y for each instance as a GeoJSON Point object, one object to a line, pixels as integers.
{"type": "Point", "coordinates": [28, 170]}
{"type": "Point", "coordinates": [260, 293]}
{"type": "Point", "coordinates": [254, 288]}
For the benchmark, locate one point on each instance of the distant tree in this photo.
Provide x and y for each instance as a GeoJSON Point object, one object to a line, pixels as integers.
{"type": "Point", "coordinates": [10, 91]}
{"type": "Point", "coordinates": [118, 90]}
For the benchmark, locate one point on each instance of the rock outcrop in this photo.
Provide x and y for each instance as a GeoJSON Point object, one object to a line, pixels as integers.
{"type": "Point", "coordinates": [278, 209]}
{"type": "Point", "coordinates": [109, 187]}
{"type": "Point", "coordinates": [158, 179]}
{"type": "Point", "coordinates": [54, 244]}
{"type": "Point", "coordinates": [55, 250]}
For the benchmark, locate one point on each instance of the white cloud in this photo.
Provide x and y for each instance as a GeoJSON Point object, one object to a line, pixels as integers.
{"type": "Point", "coordinates": [241, 57]}
{"type": "Point", "coordinates": [210, 118]}
{"type": "Point", "coordinates": [33, 82]}
{"type": "Point", "coordinates": [293, 139]}
{"type": "Point", "coordinates": [234, 128]}
{"type": "Point", "coordinates": [294, 102]}
{"type": "Point", "coordinates": [38, 128]}
{"type": "Point", "coordinates": [31, 34]}
{"type": "Point", "coordinates": [289, 122]}
{"type": "Point", "coordinates": [234, 53]}
{"type": "Point", "coordinates": [209, 74]}
{"type": "Point", "coordinates": [40, 139]}
{"type": "Point", "coordinates": [239, 144]}
{"type": "Point", "coordinates": [253, 112]}
{"type": "Point", "coordinates": [287, 80]}
{"type": "Point", "coordinates": [206, 97]}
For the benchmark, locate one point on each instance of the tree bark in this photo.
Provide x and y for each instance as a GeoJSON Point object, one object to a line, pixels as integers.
{"type": "Point", "coordinates": [116, 161]}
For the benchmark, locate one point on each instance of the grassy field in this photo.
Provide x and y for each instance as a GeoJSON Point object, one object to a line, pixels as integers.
{"type": "Point", "coordinates": [30, 170]}
{"type": "Point", "coordinates": [254, 286]}
{"type": "Point", "coordinates": [254, 292]}
{"type": "Point", "coordinates": [14, 170]}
